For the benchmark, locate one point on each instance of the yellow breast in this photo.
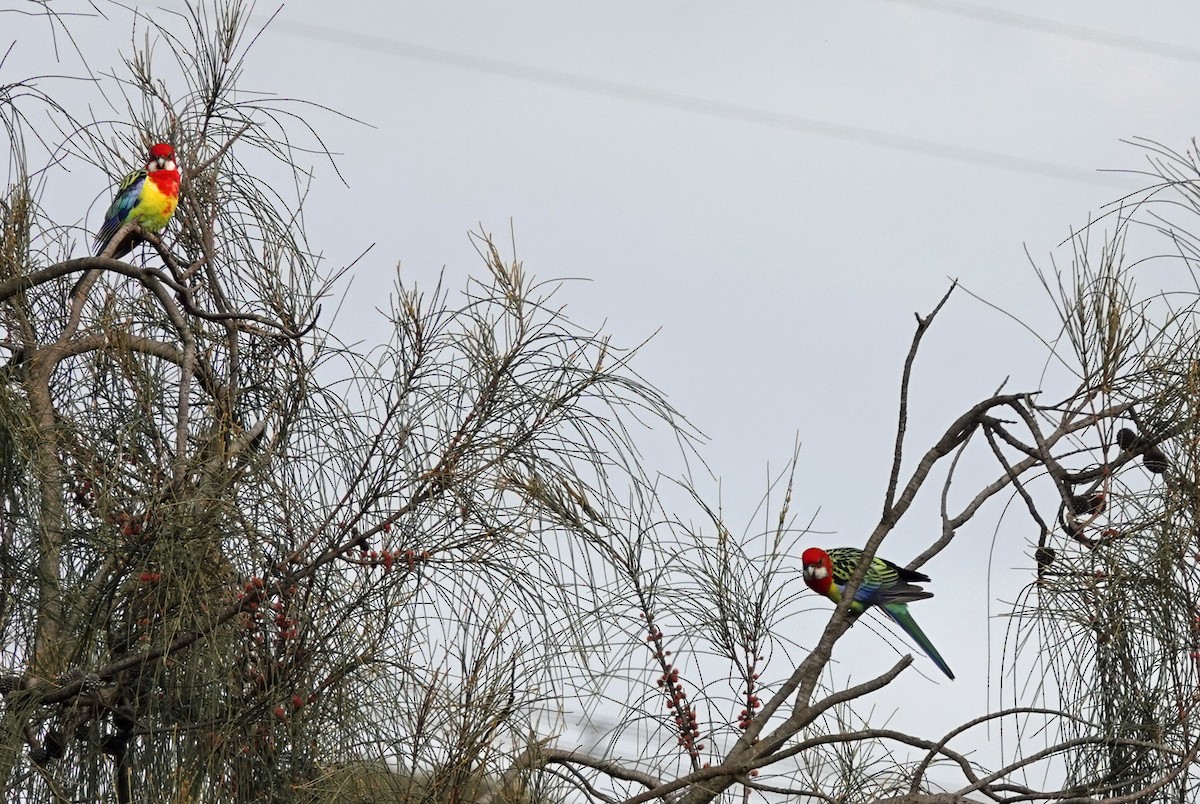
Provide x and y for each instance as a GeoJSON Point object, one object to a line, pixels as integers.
{"type": "Point", "coordinates": [155, 207]}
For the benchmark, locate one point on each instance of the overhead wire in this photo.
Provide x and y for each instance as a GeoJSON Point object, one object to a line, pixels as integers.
{"type": "Point", "coordinates": [740, 112]}
{"type": "Point", "coordinates": [1015, 19]}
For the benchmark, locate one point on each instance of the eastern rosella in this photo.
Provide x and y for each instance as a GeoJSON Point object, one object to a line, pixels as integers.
{"type": "Point", "coordinates": [146, 197]}
{"type": "Point", "coordinates": [885, 585]}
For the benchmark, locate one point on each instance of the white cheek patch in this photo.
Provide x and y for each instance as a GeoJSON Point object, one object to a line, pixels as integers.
{"type": "Point", "coordinates": [819, 573]}
{"type": "Point", "coordinates": [170, 165]}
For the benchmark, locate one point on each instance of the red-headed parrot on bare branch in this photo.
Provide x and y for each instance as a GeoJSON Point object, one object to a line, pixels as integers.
{"type": "Point", "coordinates": [886, 585]}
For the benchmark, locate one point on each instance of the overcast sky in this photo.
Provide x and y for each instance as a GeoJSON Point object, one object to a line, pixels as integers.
{"type": "Point", "coordinates": [773, 188]}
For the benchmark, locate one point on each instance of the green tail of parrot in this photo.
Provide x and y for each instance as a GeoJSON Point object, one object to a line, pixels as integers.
{"type": "Point", "coordinates": [899, 614]}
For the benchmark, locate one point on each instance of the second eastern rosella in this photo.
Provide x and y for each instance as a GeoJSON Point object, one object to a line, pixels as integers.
{"type": "Point", "coordinates": [146, 197]}
{"type": "Point", "coordinates": [885, 585]}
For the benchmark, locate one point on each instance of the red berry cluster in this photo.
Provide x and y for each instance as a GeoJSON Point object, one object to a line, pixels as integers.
{"type": "Point", "coordinates": [146, 604]}
{"type": "Point", "coordinates": [686, 720]}
{"type": "Point", "coordinates": [287, 628]}
{"type": "Point", "coordinates": [130, 525]}
{"type": "Point", "coordinates": [278, 621]}
{"type": "Point", "coordinates": [746, 716]}
{"type": "Point", "coordinates": [295, 703]}
{"type": "Point", "coordinates": [387, 558]}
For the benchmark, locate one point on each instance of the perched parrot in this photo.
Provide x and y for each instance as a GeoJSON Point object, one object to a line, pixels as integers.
{"type": "Point", "coordinates": [885, 585]}
{"type": "Point", "coordinates": [146, 197]}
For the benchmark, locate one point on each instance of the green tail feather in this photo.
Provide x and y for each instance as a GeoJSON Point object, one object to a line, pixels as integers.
{"type": "Point", "coordinates": [899, 613]}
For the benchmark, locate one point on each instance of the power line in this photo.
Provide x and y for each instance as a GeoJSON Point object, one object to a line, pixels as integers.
{"type": "Point", "coordinates": [1041, 25]}
{"type": "Point", "coordinates": [697, 105]}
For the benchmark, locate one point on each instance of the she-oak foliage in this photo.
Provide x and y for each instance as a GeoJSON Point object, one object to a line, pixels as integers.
{"type": "Point", "coordinates": [241, 562]}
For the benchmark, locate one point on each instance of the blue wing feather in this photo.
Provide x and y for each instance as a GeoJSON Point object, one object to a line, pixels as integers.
{"type": "Point", "coordinates": [866, 593]}
{"type": "Point", "coordinates": [128, 193]}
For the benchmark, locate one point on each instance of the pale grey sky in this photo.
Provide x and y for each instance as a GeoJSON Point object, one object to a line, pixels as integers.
{"type": "Point", "coordinates": [777, 186]}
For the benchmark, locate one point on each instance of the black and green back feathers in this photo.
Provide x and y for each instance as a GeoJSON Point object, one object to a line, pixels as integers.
{"type": "Point", "coordinates": [884, 582]}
